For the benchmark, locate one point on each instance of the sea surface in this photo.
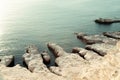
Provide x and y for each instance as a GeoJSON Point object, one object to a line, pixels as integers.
{"type": "Point", "coordinates": [26, 22]}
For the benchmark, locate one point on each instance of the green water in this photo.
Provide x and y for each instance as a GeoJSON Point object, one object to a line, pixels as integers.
{"type": "Point", "coordinates": [25, 22]}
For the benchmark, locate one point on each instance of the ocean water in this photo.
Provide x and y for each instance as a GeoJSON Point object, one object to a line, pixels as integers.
{"type": "Point", "coordinates": [26, 22]}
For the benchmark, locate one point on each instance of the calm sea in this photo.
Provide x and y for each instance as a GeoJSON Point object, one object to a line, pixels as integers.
{"type": "Point", "coordinates": [25, 22]}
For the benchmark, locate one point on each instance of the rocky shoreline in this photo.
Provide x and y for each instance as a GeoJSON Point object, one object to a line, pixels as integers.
{"type": "Point", "coordinates": [99, 60]}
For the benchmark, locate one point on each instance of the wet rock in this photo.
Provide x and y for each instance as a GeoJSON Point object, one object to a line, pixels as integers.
{"type": "Point", "coordinates": [115, 35]}
{"type": "Point", "coordinates": [101, 48]}
{"type": "Point", "coordinates": [80, 35]}
{"type": "Point", "coordinates": [7, 60]}
{"type": "Point", "coordinates": [33, 60]}
{"type": "Point", "coordinates": [92, 39]}
{"type": "Point", "coordinates": [46, 57]}
{"type": "Point", "coordinates": [106, 21]}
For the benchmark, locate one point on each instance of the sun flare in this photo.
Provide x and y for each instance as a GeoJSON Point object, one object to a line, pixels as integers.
{"type": "Point", "coordinates": [3, 8]}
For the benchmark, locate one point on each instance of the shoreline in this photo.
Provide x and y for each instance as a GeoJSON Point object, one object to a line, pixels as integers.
{"type": "Point", "coordinates": [77, 65]}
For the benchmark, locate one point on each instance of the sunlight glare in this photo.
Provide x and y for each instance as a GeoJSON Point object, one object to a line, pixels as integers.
{"type": "Point", "coordinates": [3, 8]}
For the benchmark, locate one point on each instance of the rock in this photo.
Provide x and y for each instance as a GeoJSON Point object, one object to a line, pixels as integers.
{"type": "Point", "coordinates": [64, 59]}
{"type": "Point", "coordinates": [7, 60]}
{"type": "Point", "coordinates": [80, 35]}
{"type": "Point", "coordinates": [71, 67]}
{"type": "Point", "coordinates": [79, 50]}
{"type": "Point", "coordinates": [106, 21]}
{"type": "Point", "coordinates": [118, 46]}
{"type": "Point", "coordinates": [33, 60]}
{"type": "Point", "coordinates": [115, 35]}
{"type": "Point", "coordinates": [46, 57]}
{"type": "Point", "coordinates": [70, 60]}
{"type": "Point", "coordinates": [86, 54]}
{"type": "Point", "coordinates": [20, 73]}
{"type": "Point", "coordinates": [16, 73]}
{"type": "Point", "coordinates": [56, 49]}
{"type": "Point", "coordinates": [92, 39]}
{"type": "Point", "coordinates": [56, 70]}
{"type": "Point", "coordinates": [102, 48]}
